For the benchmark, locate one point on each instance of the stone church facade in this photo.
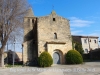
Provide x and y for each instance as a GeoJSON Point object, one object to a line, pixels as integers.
{"type": "Point", "coordinates": [49, 33]}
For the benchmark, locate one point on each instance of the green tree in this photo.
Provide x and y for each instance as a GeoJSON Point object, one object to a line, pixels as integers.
{"type": "Point", "coordinates": [77, 46]}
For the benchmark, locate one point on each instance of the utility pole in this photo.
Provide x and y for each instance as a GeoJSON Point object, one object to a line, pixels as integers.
{"type": "Point", "coordinates": [22, 54]}
{"type": "Point", "coordinates": [14, 52]}
{"type": "Point", "coordinates": [88, 43]}
{"type": "Point", "coordinates": [7, 53]}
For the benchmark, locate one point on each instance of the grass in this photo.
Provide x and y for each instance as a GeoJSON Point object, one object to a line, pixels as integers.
{"type": "Point", "coordinates": [9, 65]}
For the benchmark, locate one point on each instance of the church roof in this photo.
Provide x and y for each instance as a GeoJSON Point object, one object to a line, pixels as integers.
{"type": "Point", "coordinates": [29, 13]}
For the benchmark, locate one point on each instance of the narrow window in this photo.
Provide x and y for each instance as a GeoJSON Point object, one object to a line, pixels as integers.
{"type": "Point", "coordinates": [32, 21]}
{"type": "Point", "coordinates": [55, 35]}
{"type": "Point", "coordinates": [86, 50]}
{"type": "Point", "coordinates": [95, 41]}
{"type": "Point", "coordinates": [85, 41]}
{"type": "Point", "coordinates": [54, 19]}
{"type": "Point", "coordinates": [29, 21]}
{"type": "Point", "coordinates": [90, 40]}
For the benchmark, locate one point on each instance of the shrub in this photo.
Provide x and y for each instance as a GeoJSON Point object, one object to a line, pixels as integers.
{"type": "Point", "coordinates": [45, 59]}
{"type": "Point", "coordinates": [73, 57]}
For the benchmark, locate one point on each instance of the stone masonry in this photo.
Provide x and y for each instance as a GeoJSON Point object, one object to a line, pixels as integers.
{"type": "Point", "coordinates": [48, 33]}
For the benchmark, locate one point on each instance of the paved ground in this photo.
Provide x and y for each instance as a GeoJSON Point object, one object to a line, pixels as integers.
{"type": "Point", "coordinates": [88, 68]}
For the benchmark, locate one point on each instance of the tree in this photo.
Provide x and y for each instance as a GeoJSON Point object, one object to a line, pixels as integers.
{"type": "Point", "coordinates": [77, 46]}
{"type": "Point", "coordinates": [12, 13]}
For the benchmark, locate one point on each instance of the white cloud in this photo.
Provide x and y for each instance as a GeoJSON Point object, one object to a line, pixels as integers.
{"type": "Point", "coordinates": [76, 32]}
{"type": "Point", "coordinates": [94, 34]}
{"type": "Point", "coordinates": [76, 22]}
{"type": "Point", "coordinates": [93, 17]}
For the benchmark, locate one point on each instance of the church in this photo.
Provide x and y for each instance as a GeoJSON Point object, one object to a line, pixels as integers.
{"type": "Point", "coordinates": [49, 33]}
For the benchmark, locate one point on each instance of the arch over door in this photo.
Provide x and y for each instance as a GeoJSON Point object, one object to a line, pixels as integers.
{"type": "Point", "coordinates": [56, 58]}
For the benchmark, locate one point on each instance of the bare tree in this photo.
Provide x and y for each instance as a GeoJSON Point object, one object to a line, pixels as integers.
{"type": "Point", "coordinates": [11, 18]}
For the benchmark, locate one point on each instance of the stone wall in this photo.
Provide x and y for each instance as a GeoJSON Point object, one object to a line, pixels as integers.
{"type": "Point", "coordinates": [28, 39]}
{"type": "Point", "coordinates": [40, 30]}
{"type": "Point", "coordinates": [47, 27]}
{"type": "Point", "coordinates": [62, 49]}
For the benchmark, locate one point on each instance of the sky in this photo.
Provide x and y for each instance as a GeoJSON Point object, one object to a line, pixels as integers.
{"type": "Point", "coordinates": [84, 15]}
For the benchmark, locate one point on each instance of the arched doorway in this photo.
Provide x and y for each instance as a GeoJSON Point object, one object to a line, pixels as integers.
{"type": "Point", "coordinates": [56, 58]}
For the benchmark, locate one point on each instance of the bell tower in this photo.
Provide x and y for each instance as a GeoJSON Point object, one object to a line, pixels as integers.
{"type": "Point", "coordinates": [28, 27]}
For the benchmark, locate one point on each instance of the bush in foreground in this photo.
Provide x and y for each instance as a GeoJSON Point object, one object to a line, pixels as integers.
{"type": "Point", "coordinates": [45, 59]}
{"type": "Point", "coordinates": [73, 57]}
